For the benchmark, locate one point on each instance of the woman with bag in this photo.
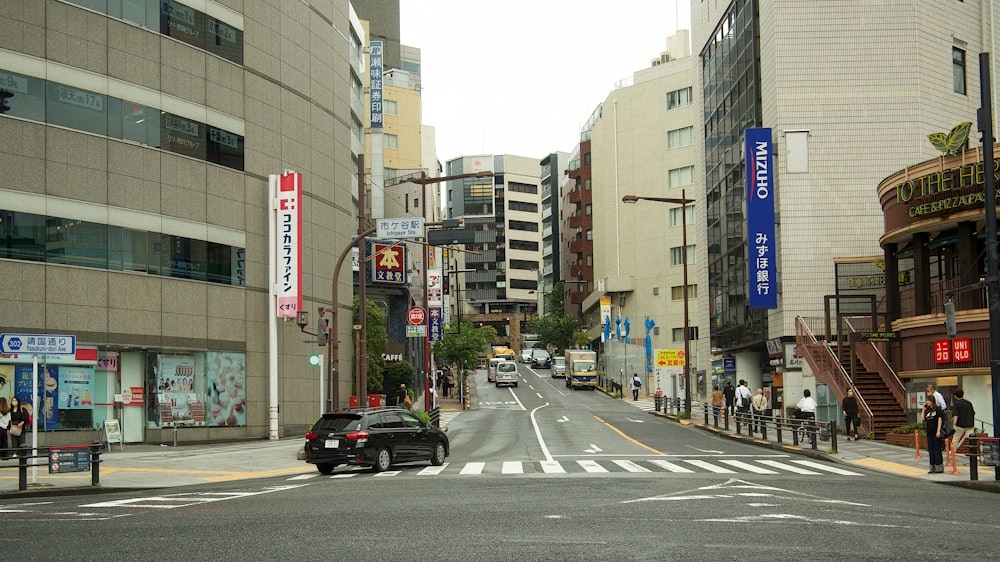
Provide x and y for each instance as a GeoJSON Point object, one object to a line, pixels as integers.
{"type": "Point", "coordinates": [4, 429]}
{"type": "Point", "coordinates": [850, 411]}
{"type": "Point", "coordinates": [18, 421]}
{"type": "Point", "coordinates": [932, 426]}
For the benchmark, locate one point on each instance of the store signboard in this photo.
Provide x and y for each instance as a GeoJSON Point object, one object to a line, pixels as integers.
{"type": "Point", "coordinates": [760, 219]}
{"type": "Point", "coordinates": [375, 68]}
{"type": "Point", "coordinates": [286, 256]}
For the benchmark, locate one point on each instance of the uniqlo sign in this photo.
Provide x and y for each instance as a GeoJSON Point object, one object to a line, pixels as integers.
{"type": "Point", "coordinates": [942, 351]}
{"type": "Point", "coordinates": [962, 350]}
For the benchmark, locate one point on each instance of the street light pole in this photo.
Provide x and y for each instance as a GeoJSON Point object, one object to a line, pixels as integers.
{"type": "Point", "coordinates": [683, 201]}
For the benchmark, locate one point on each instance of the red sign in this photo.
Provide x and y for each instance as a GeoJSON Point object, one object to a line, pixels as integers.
{"type": "Point", "coordinates": [962, 349]}
{"type": "Point", "coordinates": [133, 396]}
{"type": "Point", "coordinates": [390, 263]}
{"type": "Point", "coordinates": [415, 316]}
{"type": "Point", "coordinates": [942, 351]}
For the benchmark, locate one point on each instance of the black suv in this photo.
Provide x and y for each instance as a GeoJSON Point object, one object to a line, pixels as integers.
{"type": "Point", "coordinates": [375, 437]}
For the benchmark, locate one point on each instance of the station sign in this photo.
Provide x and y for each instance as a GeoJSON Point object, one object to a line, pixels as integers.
{"type": "Point", "coordinates": [403, 227]}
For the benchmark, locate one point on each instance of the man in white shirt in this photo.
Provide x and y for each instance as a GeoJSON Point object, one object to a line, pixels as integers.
{"type": "Point", "coordinates": [806, 406]}
{"type": "Point", "coordinates": [938, 398]}
{"type": "Point", "coordinates": [743, 397]}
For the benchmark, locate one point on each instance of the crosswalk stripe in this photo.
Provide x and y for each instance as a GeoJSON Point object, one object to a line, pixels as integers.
{"type": "Point", "coordinates": [671, 466]}
{"type": "Point", "coordinates": [433, 470]}
{"type": "Point", "coordinates": [304, 477]}
{"type": "Point", "coordinates": [747, 466]}
{"type": "Point", "coordinates": [552, 467]}
{"type": "Point", "coordinates": [591, 466]}
{"type": "Point", "coordinates": [828, 468]}
{"type": "Point", "coordinates": [512, 467]}
{"type": "Point", "coordinates": [473, 468]}
{"type": "Point", "coordinates": [631, 466]}
{"type": "Point", "coordinates": [344, 475]}
{"type": "Point", "coordinates": [710, 467]}
{"type": "Point", "coordinates": [789, 467]}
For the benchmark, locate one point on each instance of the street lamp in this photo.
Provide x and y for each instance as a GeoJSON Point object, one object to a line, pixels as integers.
{"type": "Point", "coordinates": [683, 202]}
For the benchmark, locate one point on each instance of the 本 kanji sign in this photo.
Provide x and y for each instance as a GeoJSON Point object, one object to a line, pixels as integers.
{"type": "Point", "coordinates": [389, 263]}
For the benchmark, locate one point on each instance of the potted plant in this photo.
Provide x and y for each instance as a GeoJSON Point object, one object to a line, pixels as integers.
{"type": "Point", "coordinates": [903, 435]}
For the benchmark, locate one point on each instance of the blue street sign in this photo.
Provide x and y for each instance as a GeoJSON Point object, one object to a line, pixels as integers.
{"type": "Point", "coordinates": [41, 344]}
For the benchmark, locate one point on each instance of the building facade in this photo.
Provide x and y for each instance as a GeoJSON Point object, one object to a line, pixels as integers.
{"type": "Point", "coordinates": [137, 218]}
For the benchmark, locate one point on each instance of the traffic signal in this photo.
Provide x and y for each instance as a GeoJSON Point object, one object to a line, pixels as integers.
{"type": "Point", "coordinates": [950, 325]}
{"type": "Point", "coordinates": [321, 331]}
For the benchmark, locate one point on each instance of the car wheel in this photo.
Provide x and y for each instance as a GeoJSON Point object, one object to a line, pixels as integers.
{"type": "Point", "coordinates": [325, 468]}
{"type": "Point", "coordinates": [439, 454]}
{"type": "Point", "coordinates": [515, 385]}
{"type": "Point", "coordinates": [383, 459]}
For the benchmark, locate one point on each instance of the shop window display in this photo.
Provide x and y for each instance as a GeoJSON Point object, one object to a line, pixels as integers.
{"type": "Point", "coordinates": [196, 389]}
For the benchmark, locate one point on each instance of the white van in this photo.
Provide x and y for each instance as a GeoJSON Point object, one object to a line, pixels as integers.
{"type": "Point", "coordinates": [507, 373]}
{"type": "Point", "coordinates": [491, 369]}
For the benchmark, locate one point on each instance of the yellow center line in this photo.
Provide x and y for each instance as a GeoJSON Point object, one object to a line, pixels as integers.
{"type": "Point", "coordinates": [620, 432]}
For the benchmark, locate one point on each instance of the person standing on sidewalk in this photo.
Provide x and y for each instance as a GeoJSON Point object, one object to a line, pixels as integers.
{"type": "Point", "coordinates": [938, 397]}
{"type": "Point", "coordinates": [402, 396]}
{"type": "Point", "coordinates": [636, 385]}
{"type": "Point", "coordinates": [850, 409]}
{"type": "Point", "coordinates": [730, 394]}
{"type": "Point", "coordinates": [963, 418]}
{"type": "Point", "coordinates": [18, 423]}
{"type": "Point", "coordinates": [758, 405]}
{"type": "Point", "coordinates": [718, 401]}
{"type": "Point", "coordinates": [932, 426]}
{"type": "Point", "coordinates": [743, 397]}
{"type": "Point", "coordinates": [449, 383]}
{"type": "Point", "coordinates": [4, 428]}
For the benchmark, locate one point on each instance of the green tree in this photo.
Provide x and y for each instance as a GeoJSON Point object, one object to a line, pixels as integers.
{"type": "Point", "coordinates": [557, 300]}
{"type": "Point", "coordinates": [377, 340]}
{"type": "Point", "coordinates": [554, 330]}
{"type": "Point", "coordinates": [462, 346]}
{"type": "Point", "coordinates": [400, 372]}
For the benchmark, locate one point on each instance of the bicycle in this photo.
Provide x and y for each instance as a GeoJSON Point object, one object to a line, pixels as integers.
{"type": "Point", "coordinates": [805, 429]}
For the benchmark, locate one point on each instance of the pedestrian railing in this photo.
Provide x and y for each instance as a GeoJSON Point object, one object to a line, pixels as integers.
{"type": "Point", "coordinates": [800, 433]}
{"type": "Point", "coordinates": [57, 459]}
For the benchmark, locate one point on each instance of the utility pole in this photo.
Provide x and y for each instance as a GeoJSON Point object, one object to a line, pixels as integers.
{"type": "Point", "coordinates": [362, 359]}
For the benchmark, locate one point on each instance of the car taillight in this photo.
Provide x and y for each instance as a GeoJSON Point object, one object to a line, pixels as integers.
{"type": "Point", "coordinates": [310, 436]}
{"type": "Point", "coordinates": [359, 435]}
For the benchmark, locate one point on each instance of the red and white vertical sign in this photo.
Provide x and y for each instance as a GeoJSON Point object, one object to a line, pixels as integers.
{"type": "Point", "coordinates": [962, 350]}
{"type": "Point", "coordinates": [286, 191]}
{"type": "Point", "coordinates": [942, 351]}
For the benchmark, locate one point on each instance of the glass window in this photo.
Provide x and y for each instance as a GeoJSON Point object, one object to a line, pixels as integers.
{"type": "Point", "coordinates": [677, 293]}
{"type": "Point", "coordinates": [96, 5]}
{"type": "Point", "coordinates": [589, 209]}
{"type": "Point", "coordinates": [224, 40]}
{"type": "Point", "coordinates": [678, 333]}
{"type": "Point", "coordinates": [183, 23]}
{"type": "Point", "coordinates": [75, 242]}
{"type": "Point", "coordinates": [22, 236]}
{"type": "Point", "coordinates": [22, 96]}
{"type": "Point", "coordinates": [679, 137]}
{"type": "Point", "coordinates": [183, 136]}
{"type": "Point", "coordinates": [76, 108]}
{"type": "Point", "coordinates": [133, 122]}
{"type": "Point", "coordinates": [142, 12]}
{"type": "Point", "coordinates": [679, 98]}
{"type": "Point", "coordinates": [677, 213]}
{"type": "Point", "coordinates": [677, 255]}
{"type": "Point", "coordinates": [680, 177]}
{"type": "Point", "coordinates": [225, 148]}
{"type": "Point", "coordinates": [389, 107]}
{"type": "Point", "coordinates": [389, 141]}
{"type": "Point", "coordinates": [958, 70]}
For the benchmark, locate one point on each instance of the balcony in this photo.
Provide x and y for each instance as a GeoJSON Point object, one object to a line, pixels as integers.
{"type": "Point", "coordinates": [581, 247]}
{"type": "Point", "coordinates": [581, 221]}
{"type": "Point", "coordinates": [576, 196]}
{"type": "Point", "coordinates": [579, 271]}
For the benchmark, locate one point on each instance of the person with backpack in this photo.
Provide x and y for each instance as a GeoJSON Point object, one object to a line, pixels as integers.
{"type": "Point", "coordinates": [636, 385]}
{"type": "Point", "coordinates": [18, 423]}
{"type": "Point", "coordinates": [963, 418]}
{"type": "Point", "coordinates": [743, 397]}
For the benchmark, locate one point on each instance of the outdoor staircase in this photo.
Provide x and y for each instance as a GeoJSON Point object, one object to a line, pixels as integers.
{"type": "Point", "coordinates": [887, 414]}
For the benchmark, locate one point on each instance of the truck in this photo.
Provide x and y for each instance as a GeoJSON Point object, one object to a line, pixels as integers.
{"type": "Point", "coordinates": [581, 368]}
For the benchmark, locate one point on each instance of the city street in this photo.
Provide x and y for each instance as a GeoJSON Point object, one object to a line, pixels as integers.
{"type": "Point", "coordinates": [536, 472]}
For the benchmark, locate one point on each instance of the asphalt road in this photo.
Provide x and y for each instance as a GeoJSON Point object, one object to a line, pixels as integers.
{"type": "Point", "coordinates": [536, 473]}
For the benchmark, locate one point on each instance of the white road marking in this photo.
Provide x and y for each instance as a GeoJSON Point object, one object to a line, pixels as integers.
{"type": "Point", "coordinates": [563, 419]}
{"type": "Point", "coordinates": [671, 466]}
{"type": "Point", "coordinates": [747, 466]}
{"type": "Point", "coordinates": [552, 467]}
{"type": "Point", "coordinates": [389, 473]}
{"type": "Point", "coordinates": [828, 468]}
{"type": "Point", "coordinates": [188, 499]}
{"type": "Point", "coordinates": [636, 421]}
{"type": "Point", "coordinates": [706, 450]}
{"type": "Point", "coordinates": [344, 475]}
{"type": "Point", "coordinates": [304, 477]}
{"type": "Point", "coordinates": [788, 467]}
{"type": "Point", "coordinates": [515, 398]}
{"type": "Point", "coordinates": [591, 466]}
{"type": "Point", "coordinates": [538, 433]}
{"type": "Point", "coordinates": [538, 394]}
{"type": "Point", "coordinates": [512, 467]}
{"type": "Point", "coordinates": [433, 470]}
{"type": "Point", "coordinates": [473, 468]}
{"type": "Point", "coordinates": [710, 467]}
{"type": "Point", "coordinates": [631, 466]}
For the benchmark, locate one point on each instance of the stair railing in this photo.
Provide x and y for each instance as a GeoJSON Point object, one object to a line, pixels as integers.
{"type": "Point", "coordinates": [873, 360]}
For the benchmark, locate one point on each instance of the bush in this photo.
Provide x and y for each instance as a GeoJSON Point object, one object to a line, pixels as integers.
{"type": "Point", "coordinates": [683, 415]}
{"type": "Point", "coordinates": [909, 428]}
{"type": "Point", "coordinates": [423, 416]}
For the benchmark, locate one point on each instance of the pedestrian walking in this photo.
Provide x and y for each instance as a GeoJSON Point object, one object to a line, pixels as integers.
{"type": "Point", "coordinates": [963, 419]}
{"type": "Point", "coordinates": [718, 401]}
{"type": "Point", "coordinates": [18, 423]}
{"type": "Point", "coordinates": [758, 406]}
{"type": "Point", "coordinates": [4, 428]}
{"type": "Point", "coordinates": [636, 385]}
{"type": "Point", "coordinates": [849, 407]}
{"type": "Point", "coordinates": [449, 383]}
{"type": "Point", "coordinates": [730, 394]}
{"type": "Point", "coordinates": [932, 426]}
{"type": "Point", "coordinates": [402, 397]}
{"type": "Point", "coordinates": [938, 397]}
{"type": "Point", "coordinates": [743, 397]}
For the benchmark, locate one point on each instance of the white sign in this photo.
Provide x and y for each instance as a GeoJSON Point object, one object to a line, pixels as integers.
{"type": "Point", "coordinates": [286, 191]}
{"type": "Point", "coordinates": [405, 227]}
{"type": "Point", "coordinates": [416, 331]}
{"type": "Point", "coordinates": [375, 66]}
{"type": "Point", "coordinates": [435, 288]}
{"type": "Point", "coordinates": [38, 344]}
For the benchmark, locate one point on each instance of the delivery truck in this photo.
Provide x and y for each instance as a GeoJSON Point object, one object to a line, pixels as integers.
{"type": "Point", "coordinates": [581, 368]}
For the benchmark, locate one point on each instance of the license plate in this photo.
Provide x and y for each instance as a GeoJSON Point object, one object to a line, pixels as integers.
{"type": "Point", "coordinates": [332, 443]}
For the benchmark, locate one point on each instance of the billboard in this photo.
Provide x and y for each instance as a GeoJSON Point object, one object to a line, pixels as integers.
{"type": "Point", "coordinates": [389, 263]}
{"type": "Point", "coordinates": [761, 240]}
{"type": "Point", "coordinates": [375, 82]}
{"type": "Point", "coordinates": [286, 256]}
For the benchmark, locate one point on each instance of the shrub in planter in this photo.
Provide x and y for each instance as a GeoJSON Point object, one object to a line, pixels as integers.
{"type": "Point", "coordinates": [909, 428]}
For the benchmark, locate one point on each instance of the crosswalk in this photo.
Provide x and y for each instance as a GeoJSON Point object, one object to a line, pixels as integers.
{"type": "Point", "coordinates": [712, 465]}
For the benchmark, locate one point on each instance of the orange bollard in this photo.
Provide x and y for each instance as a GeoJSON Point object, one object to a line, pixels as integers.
{"type": "Point", "coordinates": [954, 457]}
{"type": "Point", "coordinates": [916, 443]}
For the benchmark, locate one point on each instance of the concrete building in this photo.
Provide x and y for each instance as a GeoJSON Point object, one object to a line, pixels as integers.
{"type": "Point", "coordinates": [850, 93]}
{"type": "Point", "coordinates": [505, 213]}
{"type": "Point", "coordinates": [551, 274]}
{"type": "Point", "coordinates": [134, 207]}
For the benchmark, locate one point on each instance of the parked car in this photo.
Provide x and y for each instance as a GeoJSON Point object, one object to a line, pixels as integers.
{"type": "Point", "coordinates": [507, 374]}
{"type": "Point", "coordinates": [541, 358]}
{"type": "Point", "coordinates": [374, 437]}
{"type": "Point", "coordinates": [525, 356]}
{"type": "Point", "coordinates": [558, 366]}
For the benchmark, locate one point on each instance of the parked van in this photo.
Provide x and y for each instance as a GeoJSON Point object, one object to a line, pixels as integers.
{"type": "Point", "coordinates": [507, 373]}
{"type": "Point", "coordinates": [491, 369]}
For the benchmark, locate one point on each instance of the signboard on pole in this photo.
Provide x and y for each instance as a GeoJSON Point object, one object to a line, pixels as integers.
{"type": "Point", "coordinates": [435, 323]}
{"type": "Point", "coordinates": [286, 256]}
{"type": "Point", "coordinates": [40, 344]}
{"type": "Point", "coordinates": [405, 227]}
{"type": "Point", "coordinates": [435, 288]}
{"type": "Point", "coordinates": [760, 219]}
{"type": "Point", "coordinates": [389, 263]}
{"type": "Point", "coordinates": [415, 316]}
{"type": "Point", "coordinates": [375, 66]}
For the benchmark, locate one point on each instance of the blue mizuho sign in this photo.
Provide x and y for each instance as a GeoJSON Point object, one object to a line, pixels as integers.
{"type": "Point", "coordinates": [761, 240]}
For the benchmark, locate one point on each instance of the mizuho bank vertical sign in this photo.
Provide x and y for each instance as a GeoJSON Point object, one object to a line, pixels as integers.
{"type": "Point", "coordinates": [286, 190]}
{"type": "Point", "coordinates": [375, 81]}
{"type": "Point", "coordinates": [760, 219]}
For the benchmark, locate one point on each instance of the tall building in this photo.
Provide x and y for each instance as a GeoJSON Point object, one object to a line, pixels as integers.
{"type": "Point", "coordinates": [134, 212]}
{"type": "Point", "coordinates": [551, 270]}
{"type": "Point", "coordinates": [505, 213]}
{"type": "Point", "coordinates": [849, 93]}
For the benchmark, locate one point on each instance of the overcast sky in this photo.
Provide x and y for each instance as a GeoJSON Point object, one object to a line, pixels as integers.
{"type": "Point", "coordinates": [522, 77]}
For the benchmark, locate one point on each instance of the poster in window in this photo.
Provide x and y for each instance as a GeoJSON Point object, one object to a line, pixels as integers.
{"type": "Point", "coordinates": [76, 388]}
{"type": "Point", "coordinates": [226, 373]}
{"type": "Point", "coordinates": [175, 390]}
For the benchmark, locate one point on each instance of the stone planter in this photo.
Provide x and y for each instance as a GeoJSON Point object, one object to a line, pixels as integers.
{"type": "Point", "coordinates": [905, 440]}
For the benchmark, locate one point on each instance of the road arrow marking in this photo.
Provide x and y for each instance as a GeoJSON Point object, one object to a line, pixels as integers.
{"type": "Point", "coordinates": [593, 449]}
{"type": "Point", "coordinates": [641, 421]}
{"type": "Point", "coordinates": [707, 450]}
{"type": "Point", "coordinates": [563, 419]}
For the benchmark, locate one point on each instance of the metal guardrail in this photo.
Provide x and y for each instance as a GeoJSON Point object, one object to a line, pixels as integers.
{"type": "Point", "coordinates": [23, 454]}
{"type": "Point", "coordinates": [807, 433]}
